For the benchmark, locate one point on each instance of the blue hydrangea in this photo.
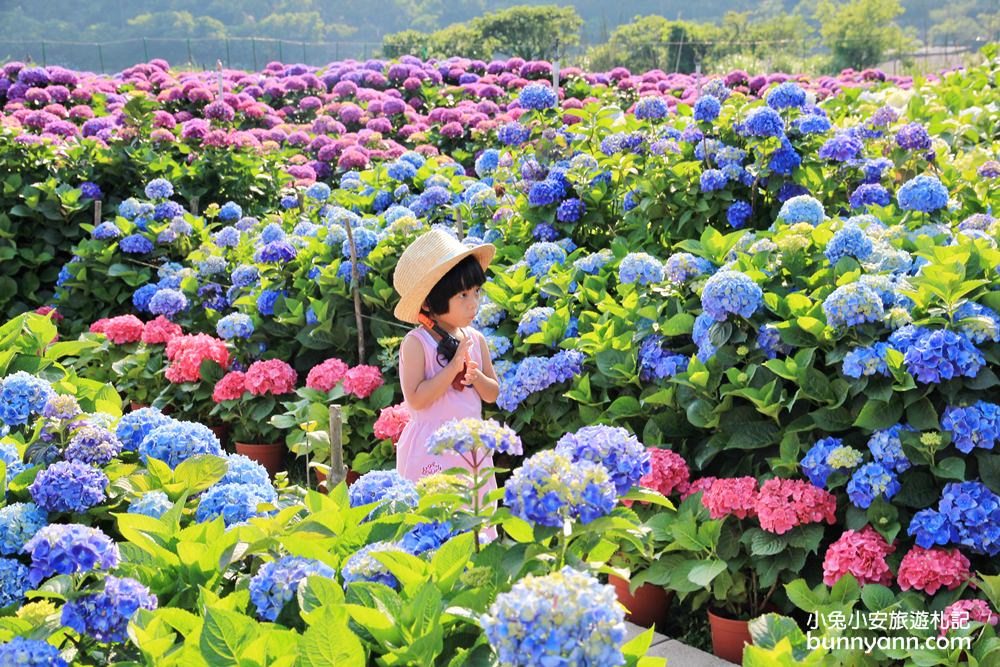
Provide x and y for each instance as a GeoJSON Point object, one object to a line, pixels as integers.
{"type": "Point", "coordinates": [487, 162]}
{"type": "Point", "coordinates": [427, 536]}
{"type": "Point", "coordinates": [13, 583]}
{"type": "Point", "coordinates": [266, 301]}
{"type": "Point", "coordinates": [977, 425]}
{"type": "Point", "coordinates": [159, 188]}
{"type": "Point", "coordinates": [318, 191]}
{"type": "Point", "coordinates": [93, 445]}
{"type": "Point", "coordinates": [245, 275]}
{"type": "Point", "coordinates": [802, 208]}
{"type": "Point", "coordinates": [474, 437]}
{"type": "Point", "coordinates": [234, 325]}
{"type": "Point", "coordinates": [167, 302]}
{"type": "Point", "coordinates": [731, 292]}
{"type": "Point", "coordinates": [21, 396]}
{"type": "Point", "coordinates": [707, 108]}
{"type": "Point", "coordinates": [784, 160]}
{"type": "Point", "coordinates": [738, 213]}
{"type": "Point", "coordinates": [620, 452]}
{"type": "Point", "coordinates": [546, 192]}
{"type": "Point", "coordinates": [276, 583]}
{"type": "Point", "coordinates": [870, 194]}
{"type": "Point", "coordinates": [69, 486]}
{"type": "Point", "coordinates": [365, 241]}
{"type": "Point", "coordinates": [841, 147]}
{"type": "Point", "coordinates": [30, 653]}
{"type": "Point", "coordinates": [401, 170]}
{"type": "Point", "coordinates": [813, 124]}
{"type": "Point", "coordinates": [136, 244]}
{"type": "Point", "coordinates": [593, 263]}
{"type": "Point", "coordinates": [490, 314]}
{"type": "Point", "coordinates": [244, 470]}
{"type": "Point", "coordinates": [90, 190]}
{"type": "Point", "coordinates": [570, 210]}
{"type": "Point", "coordinates": [533, 320]}
{"type": "Point", "coordinates": [344, 271]}
{"type": "Point", "coordinates": [106, 231]}
{"type": "Point", "coordinates": [542, 256]}
{"type": "Point", "coordinates": [563, 618]}
{"type": "Point", "coordinates": [651, 108]}
{"type": "Point", "coordinates": [230, 211]}
{"type": "Point", "coordinates": [871, 481]}
{"type": "Point", "coordinates": [867, 361]}
{"type": "Point", "coordinates": [763, 122]}
{"type": "Point", "coordinates": [641, 268]}
{"type": "Point", "coordinates": [683, 266]}
{"type": "Point", "coordinates": [136, 425]}
{"type": "Point", "coordinates": [535, 374]}
{"type": "Point", "coordinates": [550, 489]}
{"type": "Point", "coordinates": [968, 515]}
{"type": "Point", "coordinates": [167, 210]}
{"type": "Point", "coordinates": [362, 566]}
{"type": "Point", "coordinates": [913, 137]}
{"type": "Point", "coordinates": [537, 96]}
{"type": "Point", "coordinates": [152, 503]}
{"type": "Point", "coordinates": [936, 355]}
{"type": "Point", "coordinates": [18, 522]}
{"type": "Point", "coordinates": [769, 341]}
{"type": "Point", "coordinates": [980, 323]}
{"type": "Point", "coordinates": [513, 134]}
{"type": "Point", "coordinates": [816, 463]}
{"type": "Point", "coordinates": [712, 179]}
{"type": "Point", "coordinates": [235, 503]}
{"type": "Point", "coordinates": [386, 487]}
{"type": "Point", "coordinates": [105, 615]}
{"type": "Point", "coordinates": [178, 441]}
{"type": "Point", "coordinates": [630, 200]}
{"type": "Point", "coordinates": [142, 296]}
{"type": "Point", "coordinates": [271, 233]}
{"type": "Point", "coordinates": [68, 548]}
{"type": "Point", "coordinates": [849, 241]}
{"type": "Point", "coordinates": [786, 95]}
{"type": "Point", "coordinates": [887, 447]}
{"type": "Point", "coordinates": [852, 304]}
{"type": "Point", "coordinates": [657, 362]}
{"type": "Point", "coordinates": [701, 335]}
{"type": "Point", "coordinates": [276, 251]}
{"type": "Point", "coordinates": [129, 208]}
{"type": "Point", "coordinates": [923, 193]}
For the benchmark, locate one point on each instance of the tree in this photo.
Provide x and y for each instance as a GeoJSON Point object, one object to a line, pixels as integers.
{"type": "Point", "coordinates": [860, 32]}
{"type": "Point", "coordinates": [541, 32]}
{"type": "Point", "coordinates": [653, 42]}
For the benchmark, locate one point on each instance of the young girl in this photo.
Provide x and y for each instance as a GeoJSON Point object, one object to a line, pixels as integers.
{"type": "Point", "coordinates": [439, 278]}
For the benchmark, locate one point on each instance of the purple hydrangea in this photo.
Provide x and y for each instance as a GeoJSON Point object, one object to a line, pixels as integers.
{"type": "Point", "coordinates": [93, 445]}
{"type": "Point", "coordinates": [105, 615]}
{"type": "Point", "coordinates": [731, 292]}
{"type": "Point", "coordinates": [550, 489]}
{"type": "Point", "coordinates": [277, 582]}
{"type": "Point", "coordinates": [69, 548]}
{"type": "Point", "coordinates": [936, 355]}
{"type": "Point", "coordinates": [69, 486]}
{"type": "Point", "coordinates": [613, 447]}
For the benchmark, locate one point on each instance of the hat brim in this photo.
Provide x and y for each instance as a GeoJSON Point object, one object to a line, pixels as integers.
{"type": "Point", "coordinates": [410, 303]}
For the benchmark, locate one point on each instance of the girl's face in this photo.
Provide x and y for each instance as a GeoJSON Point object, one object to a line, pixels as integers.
{"type": "Point", "coordinates": [462, 308]}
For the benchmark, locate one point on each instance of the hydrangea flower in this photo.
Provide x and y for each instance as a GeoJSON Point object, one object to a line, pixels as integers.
{"type": "Point", "coordinates": [735, 495]}
{"type": "Point", "coordinates": [738, 213]}
{"type": "Point", "coordinates": [784, 504]}
{"type": "Point", "coordinates": [929, 570]}
{"type": "Point", "coordinates": [871, 481]}
{"type": "Point", "coordinates": [641, 268]}
{"type": "Point", "coordinates": [707, 108]}
{"type": "Point", "coordinates": [235, 503]}
{"type": "Point", "coordinates": [913, 137]}
{"type": "Point", "coordinates": [731, 292]}
{"type": "Point", "coordinates": [852, 304]}
{"type": "Point", "coordinates": [541, 257]}
{"type": "Point", "coordinates": [69, 548]}
{"type": "Point", "coordinates": [136, 425]}
{"type": "Point", "coordinates": [861, 554]}
{"type": "Point", "coordinates": [276, 583]}
{"type": "Point", "coordinates": [570, 210]}
{"type": "Point", "coordinates": [426, 536]}
{"type": "Point", "coordinates": [968, 514]}
{"type": "Point", "coordinates": [550, 489]}
{"type": "Point", "coordinates": [69, 486]}
{"type": "Point", "coordinates": [513, 134]}
{"type": "Point", "coordinates": [958, 615]}
{"type": "Point", "coordinates": [234, 325]}
{"type": "Point", "coordinates": [159, 188]}
{"type": "Point", "coordinates": [466, 436]}
{"type": "Point", "coordinates": [563, 618]}
{"type": "Point", "coordinates": [106, 231]}
{"type": "Point", "coordinates": [93, 445]}
{"type": "Point", "coordinates": [668, 472]}
{"type": "Point", "coordinates": [657, 362]}
{"type": "Point", "coordinates": [534, 374]}
{"type": "Point", "coordinates": [980, 323]}
{"type": "Point", "coordinates": [18, 523]}
{"type": "Point", "coordinates": [152, 503]}
{"type": "Point", "coordinates": [819, 463]}
{"type": "Point", "coordinates": [977, 425]}
{"type": "Point", "coordinates": [849, 241]}
{"type": "Point", "coordinates": [870, 194]}
{"type": "Point", "coordinates": [936, 355]}
{"type": "Point", "coordinates": [802, 208]}
{"type": "Point", "coordinates": [713, 179]}
{"type": "Point", "coordinates": [922, 193]}
{"type": "Point", "coordinates": [167, 302]}
{"type": "Point", "coordinates": [177, 441]}
{"type": "Point", "coordinates": [13, 582]}
{"type": "Point", "coordinates": [887, 448]}
{"type": "Point", "coordinates": [651, 108]}
{"type": "Point", "coordinates": [362, 565]}
{"type": "Point", "coordinates": [533, 320]}
{"type": "Point", "coordinates": [386, 487]}
{"type": "Point", "coordinates": [867, 361]}
{"type": "Point", "coordinates": [613, 447]}
{"type": "Point", "coordinates": [30, 653]}
{"type": "Point", "coordinates": [763, 122]}
{"type": "Point", "coordinates": [786, 95]}
{"type": "Point", "coordinates": [105, 615]}
{"type": "Point", "coordinates": [361, 381]}
{"type": "Point", "coordinates": [136, 244]}
{"type": "Point", "coordinates": [21, 396]}
{"type": "Point", "coordinates": [326, 375]}
{"type": "Point", "coordinates": [230, 211]}
{"type": "Point", "coordinates": [844, 146]}
{"type": "Point", "coordinates": [537, 96]}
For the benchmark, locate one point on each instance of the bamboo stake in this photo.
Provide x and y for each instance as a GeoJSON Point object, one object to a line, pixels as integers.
{"type": "Point", "coordinates": [338, 472]}
{"type": "Point", "coordinates": [97, 212]}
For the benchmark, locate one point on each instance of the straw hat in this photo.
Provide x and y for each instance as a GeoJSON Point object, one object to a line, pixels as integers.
{"type": "Point", "coordinates": [424, 263]}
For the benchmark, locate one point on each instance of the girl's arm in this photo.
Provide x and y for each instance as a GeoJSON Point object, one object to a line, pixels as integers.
{"type": "Point", "coordinates": [485, 379]}
{"type": "Point", "coordinates": [419, 393]}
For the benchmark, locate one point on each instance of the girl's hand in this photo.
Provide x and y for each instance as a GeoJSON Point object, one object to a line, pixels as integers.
{"type": "Point", "coordinates": [462, 355]}
{"type": "Point", "coordinates": [472, 374]}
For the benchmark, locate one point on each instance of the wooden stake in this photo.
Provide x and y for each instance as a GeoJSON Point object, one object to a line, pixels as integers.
{"type": "Point", "coordinates": [194, 205]}
{"type": "Point", "coordinates": [338, 471]}
{"type": "Point", "coordinates": [459, 227]}
{"type": "Point", "coordinates": [355, 290]}
{"type": "Point", "coordinates": [97, 212]}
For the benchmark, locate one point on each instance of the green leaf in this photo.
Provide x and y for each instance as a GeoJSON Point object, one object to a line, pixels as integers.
{"type": "Point", "coordinates": [451, 559]}
{"type": "Point", "coordinates": [703, 573]}
{"type": "Point", "coordinates": [315, 592]}
{"type": "Point", "coordinates": [877, 415]}
{"type": "Point", "coordinates": [224, 635]}
{"type": "Point", "coordinates": [329, 641]}
{"type": "Point", "coordinates": [876, 597]}
{"type": "Point", "coordinates": [950, 468]}
{"type": "Point", "coordinates": [200, 472]}
{"type": "Point", "coordinates": [769, 629]}
{"type": "Point", "coordinates": [765, 544]}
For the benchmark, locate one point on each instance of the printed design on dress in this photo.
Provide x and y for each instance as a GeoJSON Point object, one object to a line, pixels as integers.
{"type": "Point", "coordinates": [430, 469]}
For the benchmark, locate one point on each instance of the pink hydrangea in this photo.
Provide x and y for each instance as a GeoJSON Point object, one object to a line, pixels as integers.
{"type": "Point", "coordinates": [391, 421]}
{"type": "Point", "coordinates": [187, 352]}
{"type": "Point", "coordinates": [668, 472]}
{"type": "Point", "coordinates": [273, 376]}
{"type": "Point", "coordinates": [230, 387]}
{"type": "Point", "coordinates": [362, 380]}
{"type": "Point", "coordinates": [56, 316]}
{"type": "Point", "coordinates": [928, 570]}
{"type": "Point", "coordinates": [325, 376]}
{"type": "Point", "coordinates": [860, 553]}
{"type": "Point", "coordinates": [160, 330]}
{"type": "Point", "coordinates": [784, 504]}
{"type": "Point", "coordinates": [959, 614]}
{"type": "Point", "coordinates": [99, 325]}
{"type": "Point", "coordinates": [700, 484]}
{"type": "Point", "coordinates": [731, 495]}
{"type": "Point", "coordinates": [123, 329]}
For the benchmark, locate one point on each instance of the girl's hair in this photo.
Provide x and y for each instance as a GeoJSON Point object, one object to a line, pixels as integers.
{"type": "Point", "coordinates": [465, 275]}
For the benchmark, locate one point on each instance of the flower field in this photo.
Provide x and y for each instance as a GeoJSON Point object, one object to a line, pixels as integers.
{"type": "Point", "coordinates": [746, 329]}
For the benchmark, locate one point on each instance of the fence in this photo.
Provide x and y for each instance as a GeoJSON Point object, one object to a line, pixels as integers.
{"type": "Point", "coordinates": [202, 53]}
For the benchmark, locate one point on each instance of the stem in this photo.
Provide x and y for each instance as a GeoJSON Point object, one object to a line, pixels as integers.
{"type": "Point", "coordinates": [475, 496]}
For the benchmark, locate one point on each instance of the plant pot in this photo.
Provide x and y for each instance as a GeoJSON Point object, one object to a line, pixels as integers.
{"type": "Point", "coordinates": [729, 637]}
{"type": "Point", "coordinates": [133, 406]}
{"type": "Point", "coordinates": [321, 479]}
{"type": "Point", "coordinates": [221, 432]}
{"type": "Point", "coordinates": [271, 456]}
{"type": "Point", "coordinates": [647, 605]}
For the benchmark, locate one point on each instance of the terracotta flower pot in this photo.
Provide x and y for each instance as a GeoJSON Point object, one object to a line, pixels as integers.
{"type": "Point", "coordinates": [133, 406]}
{"type": "Point", "coordinates": [271, 456]}
{"type": "Point", "coordinates": [729, 637]}
{"type": "Point", "coordinates": [647, 605]}
{"type": "Point", "coordinates": [221, 432]}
